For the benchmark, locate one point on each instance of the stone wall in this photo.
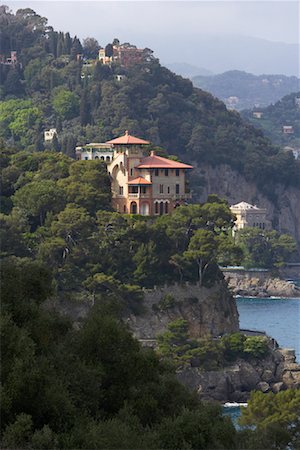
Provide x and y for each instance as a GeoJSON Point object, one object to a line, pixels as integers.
{"type": "Point", "coordinates": [208, 311]}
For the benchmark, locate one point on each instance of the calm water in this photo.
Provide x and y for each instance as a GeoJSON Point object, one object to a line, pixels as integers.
{"type": "Point", "coordinates": [279, 318]}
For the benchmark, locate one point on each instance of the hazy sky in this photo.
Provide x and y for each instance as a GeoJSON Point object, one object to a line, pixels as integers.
{"type": "Point", "coordinates": [150, 23]}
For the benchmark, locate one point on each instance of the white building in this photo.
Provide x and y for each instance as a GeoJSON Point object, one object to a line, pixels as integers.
{"type": "Point", "coordinates": [49, 134]}
{"type": "Point", "coordinates": [248, 215]}
{"type": "Point", "coordinates": [95, 150]}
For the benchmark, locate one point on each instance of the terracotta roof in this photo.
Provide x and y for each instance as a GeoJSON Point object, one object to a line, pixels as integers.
{"type": "Point", "coordinates": [128, 139]}
{"type": "Point", "coordinates": [139, 180]}
{"type": "Point", "coordinates": [157, 162]}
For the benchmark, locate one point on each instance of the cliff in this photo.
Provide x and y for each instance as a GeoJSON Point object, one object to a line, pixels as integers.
{"type": "Point", "coordinates": [207, 311]}
{"type": "Point", "coordinates": [228, 183]}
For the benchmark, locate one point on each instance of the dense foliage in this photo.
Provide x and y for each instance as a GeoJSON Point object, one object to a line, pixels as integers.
{"type": "Point", "coordinates": [206, 353]}
{"type": "Point", "coordinates": [58, 210]}
{"type": "Point", "coordinates": [273, 421]}
{"type": "Point", "coordinates": [251, 90]}
{"type": "Point", "coordinates": [86, 103]}
{"type": "Point", "coordinates": [88, 388]}
{"type": "Point", "coordinates": [265, 249]}
{"type": "Point", "coordinates": [285, 112]}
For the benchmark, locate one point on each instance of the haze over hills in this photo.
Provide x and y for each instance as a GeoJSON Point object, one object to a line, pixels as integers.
{"type": "Point", "coordinates": [241, 90]}
{"type": "Point", "coordinates": [188, 70]}
{"type": "Point", "coordinates": [220, 53]}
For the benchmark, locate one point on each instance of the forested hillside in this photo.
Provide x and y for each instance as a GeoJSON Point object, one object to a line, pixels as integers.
{"type": "Point", "coordinates": [247, 89]}
{"type": "Point", "coordinates": [285, 112]}
{"type": "Point", "coordinates": [86, 103]}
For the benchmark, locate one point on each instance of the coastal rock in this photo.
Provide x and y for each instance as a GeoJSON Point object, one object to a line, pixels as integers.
{"type": "Point", "coordinates": [263, 386]}
{"type": "Point", "coordinates": [234, 383]}
{"type": "Point", "coordinates": [259, 284]}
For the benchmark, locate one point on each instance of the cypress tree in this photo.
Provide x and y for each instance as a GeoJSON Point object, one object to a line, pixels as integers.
{"type": "Point", "coordinates": [84, 108]}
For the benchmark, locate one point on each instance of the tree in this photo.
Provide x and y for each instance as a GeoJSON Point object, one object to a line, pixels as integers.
{"type": "Point", "coordinates": [276, 418]}
{"type": "Point", "coordinates": [65, 103]}
{"type": "Point", "coordinates": [38, 198]}
{"type": "Point", "coordinates": [109, 51]}
{"type": "Point", "coordinates": [203, 250]}
{"type": "Point", "coordinates": [90, 48]}
{"type": "Point", "coordinates": [84, 108]}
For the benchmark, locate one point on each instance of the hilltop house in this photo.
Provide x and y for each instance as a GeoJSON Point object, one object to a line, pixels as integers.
{"type": "Point", "coordinates": [124, 54]}
{"type": "Point", "coordinates": [141, 184]}
{"type": "Point", "coordinates": [248, 215]}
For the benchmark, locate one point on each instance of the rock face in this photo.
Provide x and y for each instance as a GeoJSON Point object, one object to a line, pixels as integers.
{"type": "Point", "coordinates": [260, 285]}
{"type": "Point", "coordinates": [275, 373]}
{"type": "Point", "coordinates": [207, 311]}
{"type": "Point", "coordinates": [228, 183]}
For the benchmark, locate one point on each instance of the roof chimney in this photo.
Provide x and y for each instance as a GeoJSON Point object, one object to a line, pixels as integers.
{"type": "Point", "coordinates": [152, 153]}
{"type": "Point", "coordinates": [126, 133]}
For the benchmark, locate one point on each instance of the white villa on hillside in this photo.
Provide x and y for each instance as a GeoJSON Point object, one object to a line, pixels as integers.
{"type": "Point", "coordinates": [248, 215]}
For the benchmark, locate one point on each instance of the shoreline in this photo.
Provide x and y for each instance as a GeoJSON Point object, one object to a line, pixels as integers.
{"type": "Point", "coordinates": [271, 297]}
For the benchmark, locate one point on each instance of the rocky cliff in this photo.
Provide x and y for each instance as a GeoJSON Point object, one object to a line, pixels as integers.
{"type": "Point", "coordinates": [277, 372]}
{"type": "Point", "coordinates": [207, 311]}
{"type": "Point", "coordinates": [228, 183]}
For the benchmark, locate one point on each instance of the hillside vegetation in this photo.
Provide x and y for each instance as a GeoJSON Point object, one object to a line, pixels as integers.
{"type": "Point", "coordinates": [251, 90]}
{"type": "Point", "coordinates": [86, 103]}
{"type": "Point", "coordinates": [284, 112]}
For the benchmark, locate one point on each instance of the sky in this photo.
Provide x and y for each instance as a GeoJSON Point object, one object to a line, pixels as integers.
{"type": "Point", "coordinates": [184, 31]}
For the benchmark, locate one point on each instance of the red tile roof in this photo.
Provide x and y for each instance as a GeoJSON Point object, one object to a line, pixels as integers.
{"type": "Point", "coordinates": [128, 139]}
{"type": "Point", "coordinates": [157, 162]}
{"type": "Point", "coordinates": [139, 180]}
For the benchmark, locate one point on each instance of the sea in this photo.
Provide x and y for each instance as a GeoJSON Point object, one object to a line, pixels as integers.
{"type": "Point", "coordinates": [279, 318]}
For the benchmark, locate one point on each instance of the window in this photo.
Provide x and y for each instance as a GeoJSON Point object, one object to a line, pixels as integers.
{"type": "Point", "coordinates": [166, 207]}
{"type": "Point", "coordinates": [131, 172]}
{"type": "Point", "coordinates": [177, 172]}
{"type": "Point", "coordinates": [161, 208]}
{"type": "Point", "coordinates": [124, 208]}
{"type": "Point", "coordinates": [143, 189]}
{"type": "Point", "coordinates": [86, 158]}
{"type": "Point", "coordinates": [168, 189]}
{"type": "Point", "coordinates": [96, 157]}
{"type": "Point", "coordinates": [166, 172]}
{"type": "Point", "coordinates": [133, 189]}
{"type": "Point", "coordinates": [121, 190]}
{"type": "Point", "coordinates": [161, 188]}
{"type": "Point", "coordinates": [177, 188]}
{"type": "Point", "coordinates": [156, 207]}
{"type": "Point", "coordinates": [156, 172]}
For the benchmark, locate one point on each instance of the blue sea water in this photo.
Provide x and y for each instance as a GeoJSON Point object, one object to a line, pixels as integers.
{"type": "Point", "coordinates": [279, 318]}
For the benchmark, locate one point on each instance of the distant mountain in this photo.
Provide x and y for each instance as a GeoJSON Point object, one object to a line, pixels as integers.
{"type": "Point", "coordinates": [188, 70]}
{"type": "Point", "coordinates": [241, 90]}
{"type": "Point", "coordinates": [220, 53]}
{"type": "Point", "coordinates": [280, 122]}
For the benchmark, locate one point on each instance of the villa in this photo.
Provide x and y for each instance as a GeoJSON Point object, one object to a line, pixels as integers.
{"type": "Point", "coordinates": [141, 183]}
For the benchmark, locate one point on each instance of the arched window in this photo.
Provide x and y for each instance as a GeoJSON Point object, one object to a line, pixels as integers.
{"type": "Point", "coordinates": [96, 157]}
{"type": "Point", "coordinates": [108, 159]}
{"type": "Point", "coordinates": [161, 208]}
{"type": "Point", "coordinates": [166, 207]}
{"type": "Point", "coordinates": [133, 208]}
{"type": "Point", "coordinates": [102, 158]}
{"type": "Point", "coordinates": [156, 207]}
{"type": "Point", "coordinates": [124, 208]}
